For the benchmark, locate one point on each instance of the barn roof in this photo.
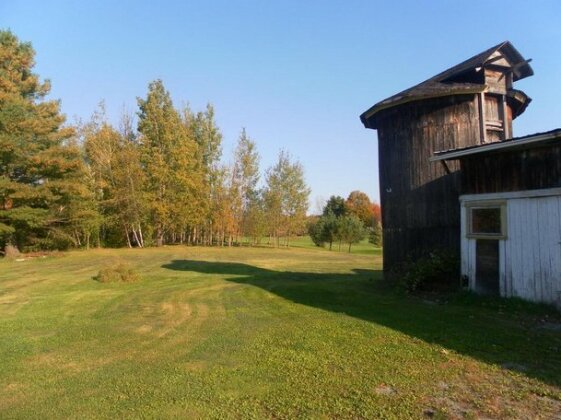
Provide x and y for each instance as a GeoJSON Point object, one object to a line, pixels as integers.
{"type": "Point", "coordinates": [447, 83]}
{"type": "Point", "coordinates": [523, 142]}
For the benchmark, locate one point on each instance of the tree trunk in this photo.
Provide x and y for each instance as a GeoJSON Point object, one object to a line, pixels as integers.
{"type": "Point", "coordinates": [136, 238]}
{"type": "Point", "coordinates": [127, 236]}
{"type": "Point", "coordinates": [350, 243]}
{"type": "Point", "coordinates": [159, 236]}
{"type": "Point", "coordinates": [141, 237]}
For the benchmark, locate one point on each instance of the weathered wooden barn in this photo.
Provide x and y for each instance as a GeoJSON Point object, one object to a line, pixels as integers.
{"type": "Point", "coordinates": [511, 216]}
{"type": "Point", "coordinates": [469, 104]}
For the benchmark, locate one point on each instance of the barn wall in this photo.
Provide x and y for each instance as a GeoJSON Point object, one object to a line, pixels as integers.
{"type": "Point", "coordinates": [530, 255]}
{"type": "Point", "coordinates": [420, 199]}
{"type": "Point", "coordinates": [531, 169]}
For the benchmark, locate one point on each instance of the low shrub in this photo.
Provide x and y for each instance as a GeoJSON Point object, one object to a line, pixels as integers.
{"type": "Point", "coordinates": [121, 273]}
{"type": "Point", "coordinates": [437, 271]}
{"type": "Point", "coordinates": [11, 251]}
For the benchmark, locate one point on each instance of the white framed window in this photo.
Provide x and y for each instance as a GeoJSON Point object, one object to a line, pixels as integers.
{"type": "Point", "coordinates": [486, 220]}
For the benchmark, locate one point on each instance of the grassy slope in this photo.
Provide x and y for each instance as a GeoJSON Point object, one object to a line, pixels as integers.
{"type": "Point", "coordinates": [258, 333]}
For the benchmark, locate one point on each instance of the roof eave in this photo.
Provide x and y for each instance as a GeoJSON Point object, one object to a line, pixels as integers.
{"type": "Point", "coordinates": [524, 69]}
{"type": "Point", "coordinates": [500, 145]}
{"type": "Point", "coordinates": [367, 116]}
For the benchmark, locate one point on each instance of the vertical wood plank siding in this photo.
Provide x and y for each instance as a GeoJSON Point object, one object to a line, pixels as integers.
{"type": "Point", "coordinates": [534, 249]}
{"type": "Point", "coordinates": [419, 199]}
{"type": "Point", "coordinates": [530, 255]}
{"type": "Point", "coordinates": [512, 171]}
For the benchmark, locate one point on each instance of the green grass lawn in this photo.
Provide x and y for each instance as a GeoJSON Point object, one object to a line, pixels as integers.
{"type": "Point", "coordinates": [363, 247]}
{"type": "Point", "coordinates": [262, 333]}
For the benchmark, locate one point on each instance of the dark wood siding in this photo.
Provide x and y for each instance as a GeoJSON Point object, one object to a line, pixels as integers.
{"type": "Point", "coordinates": [513, 170]}
{"type": "Point", "coordinates": [419, 199]}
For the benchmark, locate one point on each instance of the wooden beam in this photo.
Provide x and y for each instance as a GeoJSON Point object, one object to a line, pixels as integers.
{"type": "Point", "coordinates": [446, 168]}
{"type": "Point", "coordinates": [518, 65]}
{"type": "Point", "coordinates": [481, 105]}
{"type": "Point", "coordinates": [546, 192]}
{"type": "Point", "coordinates": [507, 133]}
{"type": "Point", "coordinates": [500, 145]}
{"type": "Point", "coordinates": [492, 60]}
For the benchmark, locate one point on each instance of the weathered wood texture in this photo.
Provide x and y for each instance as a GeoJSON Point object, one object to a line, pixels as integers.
{"type": "Point", "coordinates": [530, 255]}
{"type": "Point", "coordinates": [496, 80]}
{"type": "Point", "coordinates": [419, 199]}
{"type": "Point", "coordinates": [515, 170]}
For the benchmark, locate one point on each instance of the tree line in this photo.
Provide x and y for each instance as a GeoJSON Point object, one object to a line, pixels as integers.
{"type": "Point", "coordinates": [347, 222]}
{"type": "Point", "coordinates": [158, 182]}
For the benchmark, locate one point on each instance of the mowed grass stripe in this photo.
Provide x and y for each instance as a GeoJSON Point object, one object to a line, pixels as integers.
{"type": "Point", "coordinates": [259, 332]}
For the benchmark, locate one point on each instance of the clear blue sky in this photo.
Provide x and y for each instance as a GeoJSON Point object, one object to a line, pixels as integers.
{"type": "Point", "coordinates": [296, 74]}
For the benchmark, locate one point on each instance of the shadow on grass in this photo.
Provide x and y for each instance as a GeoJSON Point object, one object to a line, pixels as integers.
{"type": "Point", "coordinates": [492, 333]}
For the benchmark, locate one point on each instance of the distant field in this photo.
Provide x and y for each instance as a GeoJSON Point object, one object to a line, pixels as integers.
{"type": "Point", "coordinates": [262, 333]}
{"type": "Point", "coordinates": [364, 247]}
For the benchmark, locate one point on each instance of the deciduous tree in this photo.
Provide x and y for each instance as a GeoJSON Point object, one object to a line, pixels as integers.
{"type": "Point", "coordinates": [174, 176]}
{"type": "Point", "coordinates": [246, 177]}
{"type": "Point", "coordinates": [286, 197]}
{"type": "Point", "coordinates": [359, 204]}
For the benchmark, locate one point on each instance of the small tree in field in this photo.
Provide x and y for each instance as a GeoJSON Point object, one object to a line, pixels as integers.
{"type": "Point", "coordinates": [325, 230]}
{"type": "Point", "coordinates": [351, 230]}
{"type": "Point", "coordinates": [375, 235]}
{"type": "Point", "coordinates": [315, 230]}
{"type": "Point", "coordinates": [286, 197]}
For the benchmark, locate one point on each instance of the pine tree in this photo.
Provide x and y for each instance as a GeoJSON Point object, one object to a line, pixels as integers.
{"type": "Point", "coordinates": [335, 205]}
{"type": "Point", "coordinates": [351, 230]}
{"type": "Point", "coordinates": [40, 166]}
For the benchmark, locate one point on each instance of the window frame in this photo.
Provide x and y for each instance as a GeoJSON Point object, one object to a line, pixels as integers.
{"type": "Point", "coordinates": [475, 205]}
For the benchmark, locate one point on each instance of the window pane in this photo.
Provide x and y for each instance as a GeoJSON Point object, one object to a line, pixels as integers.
{"type": "Point", "coordinates": [486, 220]}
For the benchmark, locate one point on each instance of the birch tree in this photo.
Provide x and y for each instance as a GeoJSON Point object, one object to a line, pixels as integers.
{"type": "Point", "coordinates": [174, 177]}
{"type": "Point", "coordinates": [286, 196]}
{"type": "Point", "coordinates": [208, 137]}
{"type": "Point", "coordinates": [246, 177]}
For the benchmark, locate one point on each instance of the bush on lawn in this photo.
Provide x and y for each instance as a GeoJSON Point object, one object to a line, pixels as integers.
{"type": "Point", "coordinates": [122, 273]}
{"type": "Point", "coordinates": [437, 271]}
{"type": "Point", "coordinates": [11, 251]}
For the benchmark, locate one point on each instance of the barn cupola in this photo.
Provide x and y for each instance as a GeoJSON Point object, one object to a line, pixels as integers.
{"type": "Point", "coordinates": [471, 103]}
{"type": "Point", "coordinates": [489, 75]}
